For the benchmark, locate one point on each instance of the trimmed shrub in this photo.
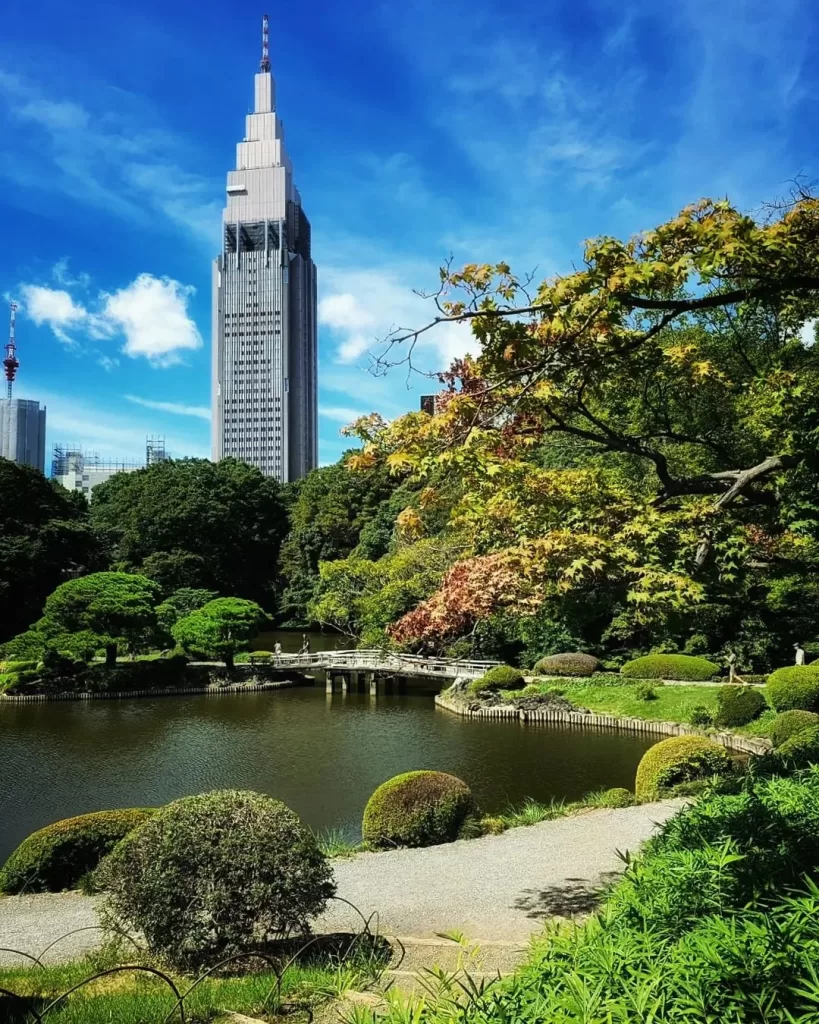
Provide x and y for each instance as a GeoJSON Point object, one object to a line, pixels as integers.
{"type": "Point", "coordinates": [18, 666]}
{"type": "Point", "coordinates": [802, 749]}
{"type": "Point", "coordinates": [645, 691]}
{"type": "Point", "coordinates": [794, 689]}
{"type": "Point", "coordinates": [159, 673]}
{"type": "Point", "coordinates": [574, 664]}
{"type": "Point", "coordinates": [262, 656]}
{"type": "Point", "coordinates": [56, 857]}
{"type": "Point", "coordinates": [501, 677]}
{"type": "Point", "coordinates": [617, 797]}
{"type": "Point", "coordinates": [419, 808]}
{"type": "Point", "coordinates": [670, 666]}
{"type": "Point", "coordinates": [216, 874]}
{"type": "Point", "coordinates": [19, 682]}
{"type": "Point", "coordinates": [700, 716]}
{"type": "Point", "coordinates": [790, 723]}
{"type": "Point", "coordinates": [678, 759]}
{"type": "Point", "coordinates": [738, 705]}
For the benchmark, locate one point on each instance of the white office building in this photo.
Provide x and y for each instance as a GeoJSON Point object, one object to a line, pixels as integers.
{"type": "Point", "coordinates": [82, 471]}
{"type": "Point", "coordinates": [264, 306]}
{"type": "Point", "coordinates": [22, 432]}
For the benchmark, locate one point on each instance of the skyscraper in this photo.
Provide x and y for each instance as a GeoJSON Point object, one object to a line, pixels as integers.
{"type": "Point", "coordinates": [22, 422]}
{"type": "Point", "coordinates": [264, 304]}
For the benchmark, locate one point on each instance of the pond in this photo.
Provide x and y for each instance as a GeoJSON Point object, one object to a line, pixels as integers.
{"type": "Point", "coordinates": [322, 755]}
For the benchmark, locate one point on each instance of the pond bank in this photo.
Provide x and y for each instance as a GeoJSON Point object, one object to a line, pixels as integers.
{"type": "Point", "coordinates": [212, 690]}
{"type": "Point", "coordinates": [591, 720]}
{"type": "Point", "coordinates": [499, 888]}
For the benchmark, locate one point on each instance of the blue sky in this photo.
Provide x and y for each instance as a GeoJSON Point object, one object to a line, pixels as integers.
{"type": "Point", "coordinates": [480, 129]}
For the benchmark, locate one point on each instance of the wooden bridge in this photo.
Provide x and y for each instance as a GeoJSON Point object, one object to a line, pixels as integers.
{"type": "Point", "coordinates": [363, 669]}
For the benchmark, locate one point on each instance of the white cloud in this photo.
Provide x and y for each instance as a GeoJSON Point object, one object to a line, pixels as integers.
{"type": "Point", "coordinates": [340, 413]}
{"type": "Point", "coordinates": [202, 412]}
{"type": "Point", "coordinates": [361, 307]}
{"type": "Point", "coordinates": [152, 313]}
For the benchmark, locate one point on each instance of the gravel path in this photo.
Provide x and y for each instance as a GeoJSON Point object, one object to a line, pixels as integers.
{"type": "Point", "coordinates": [497, 888]}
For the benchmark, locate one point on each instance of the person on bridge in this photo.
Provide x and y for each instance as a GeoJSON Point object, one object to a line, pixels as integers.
{"type": "Point", "coordinates": [305, 644]}
{"type": "Point", "coordinates": [277, 651]}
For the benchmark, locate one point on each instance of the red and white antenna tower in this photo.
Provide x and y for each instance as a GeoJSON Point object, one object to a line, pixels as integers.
{"type": "Point", "coordinates": [11, 363]}
{"type": "Point", "coordinates": [264, 63]}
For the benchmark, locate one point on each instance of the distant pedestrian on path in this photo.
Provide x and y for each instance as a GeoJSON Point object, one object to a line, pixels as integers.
{"type": "Point", "coordinates": [305, 644]}
{"type": "Point", "coordinates": [800, 654]}
{"type": "Point", "coordinates": [277, 651]}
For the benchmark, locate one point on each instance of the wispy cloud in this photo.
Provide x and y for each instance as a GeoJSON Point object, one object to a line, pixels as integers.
{"type": "Point", "coordinates": [150, 315]}
{"type": "Point", "coordinates": [107, 158]}
{"type": "Point", "coordinates": [339, 413]}
{"type": "Point", "coordinates": [201, 412]}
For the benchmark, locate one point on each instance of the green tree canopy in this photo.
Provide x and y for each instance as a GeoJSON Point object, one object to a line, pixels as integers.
{"type": "Point", "coordinates": [116, 607]}
{"type": "Point", "coordinates": [220, 629]}
{"type": "Point", "coordinates": [44, 538]}
{"type": "Point", "coordinates": [195, 523]}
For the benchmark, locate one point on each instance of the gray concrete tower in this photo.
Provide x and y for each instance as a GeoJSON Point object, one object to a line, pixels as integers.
{"type": "Point", "coordinates": [264, 305]}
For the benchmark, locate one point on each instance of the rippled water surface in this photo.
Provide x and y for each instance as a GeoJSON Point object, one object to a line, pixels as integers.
{"type": "Point", "coordinates": [322, 755]}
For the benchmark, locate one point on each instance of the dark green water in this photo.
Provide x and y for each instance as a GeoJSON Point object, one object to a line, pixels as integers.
{"type": "Point", "coordinates": [322, 755]}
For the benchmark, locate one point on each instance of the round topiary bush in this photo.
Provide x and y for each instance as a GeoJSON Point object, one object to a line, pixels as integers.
{"type": "Point", "coordinates": [617, 797]}
{"type": "Point", "coordinates": [417, 809]}
{"type": "Point", "coordinates": [801, 749]}
{"type": "Point", "coordinates": [216, 874]}
{"type": "Point", "coordinates": [670, 666]}
{"type": "Point", "coordinates": [738, 705]}
{"type": "Point", "coordinates": [501, 677]}
{"type": "Point", "coordinates": [678, 759]}
{"type": "Point", "coordinates": [645, 691]}
{"type": "Point", "coordinates": [56, 857]}
{"type": "Point", "coordinates": [794, 689]}
{"type": "Point", "coordinates": [571, 664]}
{"type": "Point", "coordinates": [790, 723]}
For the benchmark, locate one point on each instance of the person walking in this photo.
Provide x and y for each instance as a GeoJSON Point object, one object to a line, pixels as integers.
{"type": "Point", "coordinates": [277, 652]}
{"type": "Point", "coordinates": [800, 654]}
{"type": "Point", "coordinates": [305, 644]}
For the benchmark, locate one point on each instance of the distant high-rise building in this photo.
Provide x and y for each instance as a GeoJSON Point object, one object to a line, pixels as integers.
{"type": "Point", "coordinates": [264, 305]}
{"type": "Point", "coordinates": [22, 432]}
{"type": "Point", "coordinates": [155, 450]}
{"type": "Point", "coordinates": [22, 421]}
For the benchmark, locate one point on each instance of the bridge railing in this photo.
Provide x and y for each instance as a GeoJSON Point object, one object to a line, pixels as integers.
{"type": "Point", "coordinates": [385, 661]}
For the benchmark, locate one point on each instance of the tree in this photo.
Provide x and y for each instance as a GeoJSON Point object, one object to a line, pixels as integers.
{"type": "Point", "coordinates": [329, 510]}
{"type": "Point", "coordinates": [116, 607]}
{"type": "Point", "coordinates": [194, 523]}
{"type": "Point", "coordinates": [44, 538]}
{"type": "Point", "coordinates": [220, 629]}
{"type": "Point", "coordinates": [642, 431]}
{"type": "Point", "coordinates": [181, 603]}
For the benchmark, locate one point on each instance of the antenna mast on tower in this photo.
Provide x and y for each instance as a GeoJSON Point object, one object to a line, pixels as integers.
{"type": "Point", "coordinates": [264, 63]}
{"type": "Point", "coordinates": [11, 363]}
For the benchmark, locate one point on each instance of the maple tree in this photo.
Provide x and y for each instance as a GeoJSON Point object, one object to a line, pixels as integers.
{"type": "Point", "coordinates": [643, 431]}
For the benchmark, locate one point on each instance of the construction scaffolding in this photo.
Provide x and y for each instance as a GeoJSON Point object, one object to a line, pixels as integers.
{"type": "Point", "coordinates": [155, 450]}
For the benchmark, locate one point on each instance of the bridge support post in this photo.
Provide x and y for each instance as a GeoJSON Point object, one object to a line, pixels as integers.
{"type": "Point", "coordinates": [402, 684]}
{"type": "Point", "coordinates": [372, 679]}
{"type": "Point", "coordinates": [332, 681]}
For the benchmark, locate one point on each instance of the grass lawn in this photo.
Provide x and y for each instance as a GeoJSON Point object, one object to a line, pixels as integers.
{"type": "Point", "coordinates": [132, 997]}
{"type": "Point", "coordinates": [673, 703]}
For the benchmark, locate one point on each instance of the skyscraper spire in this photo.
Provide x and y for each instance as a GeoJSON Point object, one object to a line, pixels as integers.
{"type": "Point", "coordinates": [11, 363]}
{"type": "Point", "coordinates": [264, 63]}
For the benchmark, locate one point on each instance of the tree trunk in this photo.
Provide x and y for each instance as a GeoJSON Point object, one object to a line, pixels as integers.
{"type": "Point", "coordinates": [110, 654]}
{"type": "Point", "coordinates": [229, 661]}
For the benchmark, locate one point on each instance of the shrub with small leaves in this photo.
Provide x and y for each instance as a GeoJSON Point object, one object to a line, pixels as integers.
{"type": "Point", "coordinates": [570, 664]}
{"type": "Point", "coordinates": [682, 667]}
{"type": "Point", "coordinates": [616, 797]}
{"type": "Point", "coordinates": [801, 749]}
{"type": "Point", "coordinates": [216, 874]}
{"type": "Point", "coordinates": [700, 716]}
{"type": "Point", "coordinates": [501, 677]}
{"type": "Point", "coordinates": [419, 808]}
{"type": "Point", "coordinates": [56, 857]}
{"type": "Point", "coordinates": [789, 723]}
{"type": "Point", "coordinates": [645, 691]}
{"type": "Point", "coordinates": [794, 688]}
{"type": "Point", "coordinates": [738, 705]}
{"type": "Point", "coordinates": [678, 759]}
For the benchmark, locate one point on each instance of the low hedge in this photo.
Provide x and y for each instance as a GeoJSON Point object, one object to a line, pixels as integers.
{"type": "Point", "coordinates": [56, 857]}
{"type": "Point", "coordinates": [617, 797]}
{"type": "Point", "coordinates": [790, 723]}
{"type": "Point", "coordinates": [738, 705]}
{"type": "Point", "coordinates": [683, 667]}
{"type": "Point", "coordinates": [570, 664]}
{"type": "Point", "coordinates": [795, 688]}
{"type": "Point", "coordinates": [420, 808]}
{"type": "Point", "coordinates": [501, 677]}
{"type": "Point", "coordinates": [678, 759]}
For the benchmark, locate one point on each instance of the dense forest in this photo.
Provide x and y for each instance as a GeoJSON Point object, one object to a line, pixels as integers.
{"type": "Point", "coordinates": [628, 466]}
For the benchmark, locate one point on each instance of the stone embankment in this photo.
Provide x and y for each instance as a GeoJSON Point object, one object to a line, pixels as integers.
{"type": "Point", "coordinates": [549, 715]}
